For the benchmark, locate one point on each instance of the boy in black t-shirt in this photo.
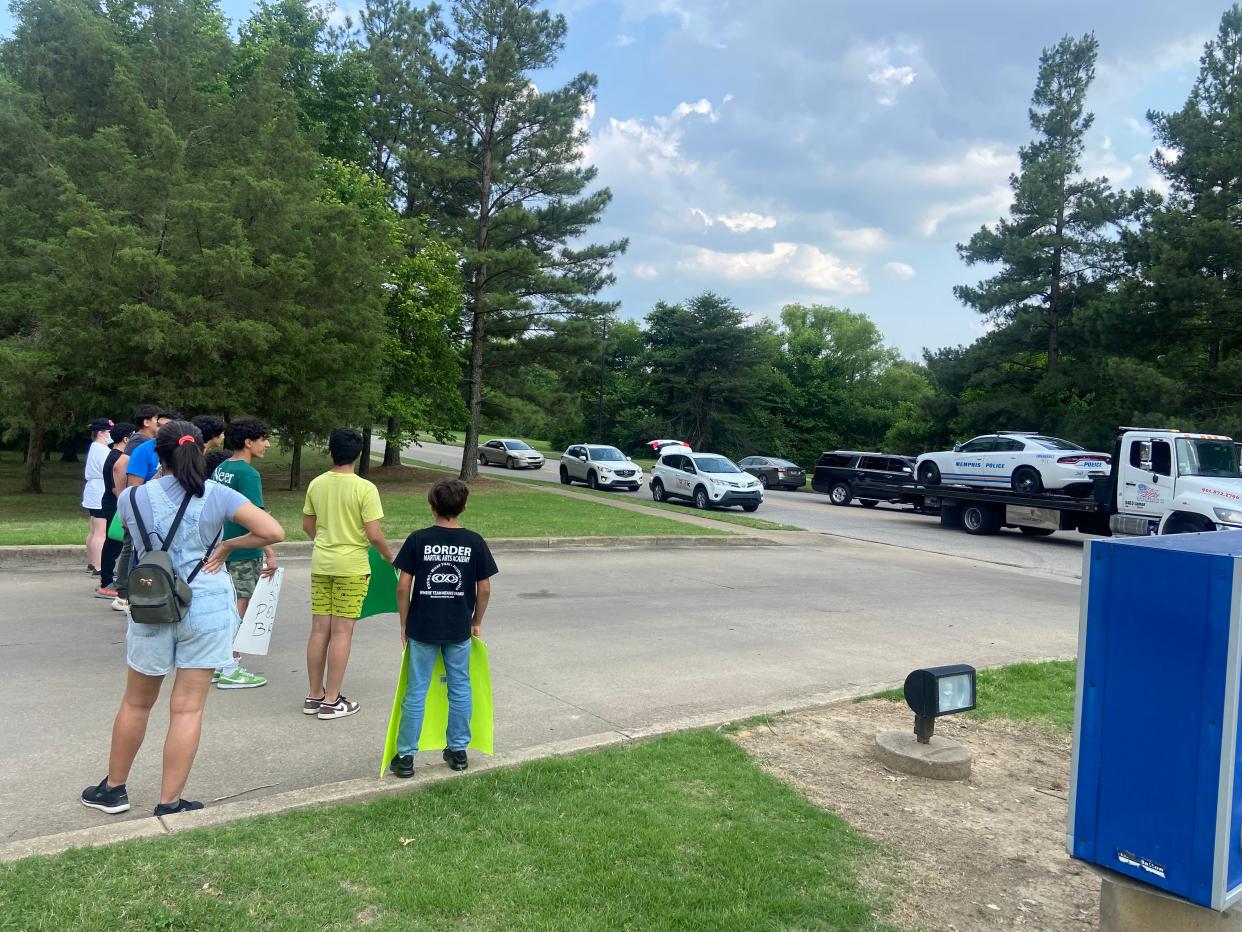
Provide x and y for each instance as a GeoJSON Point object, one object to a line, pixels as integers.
{"type": "Point", "coordinates": [442, 594]}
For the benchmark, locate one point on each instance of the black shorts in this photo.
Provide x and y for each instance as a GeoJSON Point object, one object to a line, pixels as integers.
{"type": "Point", "coordinates": [99, 513]}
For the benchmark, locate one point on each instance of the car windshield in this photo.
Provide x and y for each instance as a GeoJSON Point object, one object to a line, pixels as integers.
{"type": "Point", "coordinates": [1055, 443]}
{"type": "Point", "coordinates": [714, 464]}
{"type": "Point", "coordinates": [1217, 459]}
{"type": "Point", "coordinates": [606, 454]}
{"type": "Point", "coordinates": [516, 445]}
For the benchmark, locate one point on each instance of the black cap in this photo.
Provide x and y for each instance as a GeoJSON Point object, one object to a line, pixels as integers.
{"type": "Point", "coordinates": [100, 423]}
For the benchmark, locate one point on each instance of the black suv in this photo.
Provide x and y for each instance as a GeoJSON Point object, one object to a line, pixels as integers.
{"type": "Point", "coordinates": [870, 477]}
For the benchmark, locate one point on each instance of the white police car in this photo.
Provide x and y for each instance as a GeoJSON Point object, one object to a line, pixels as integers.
{"type": "Point", "coordinates": [707, 479]}
{"type": "Point", "coordinates": [1025, 462]}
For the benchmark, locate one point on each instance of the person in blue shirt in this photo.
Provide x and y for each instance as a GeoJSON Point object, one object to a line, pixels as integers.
{"type": "Point", "coordinates": [143, 463]}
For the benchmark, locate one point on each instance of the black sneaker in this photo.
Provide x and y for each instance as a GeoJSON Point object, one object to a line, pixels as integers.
{"type": "Point", "coordinates": [402, 765]}
{"type": "Point", "coordinates": [109, 799]}
{"type": "Point", "coordinates": [181, 805]}
{"type": "Point", "coordinates": [456, 759]}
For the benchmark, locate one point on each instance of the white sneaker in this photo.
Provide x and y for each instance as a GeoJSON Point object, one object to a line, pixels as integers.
{"type": "Point", "coordinates": [120, 605]}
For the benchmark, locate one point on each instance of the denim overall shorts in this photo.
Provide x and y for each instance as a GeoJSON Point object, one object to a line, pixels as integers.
{"type": "Point", "coordinates": [203, 639]}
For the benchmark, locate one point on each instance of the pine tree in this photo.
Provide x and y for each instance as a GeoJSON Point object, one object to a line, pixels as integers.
{"type": "Point", "coordinates": [502, 177]}
{"type": "Point", "coordinates": [1060, 243]}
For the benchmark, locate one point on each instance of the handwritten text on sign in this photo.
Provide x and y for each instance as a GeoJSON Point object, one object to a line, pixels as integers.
{"type": "Point", "coordinates": [255, 634]}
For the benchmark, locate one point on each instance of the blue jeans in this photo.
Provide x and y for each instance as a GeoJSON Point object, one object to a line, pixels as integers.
{"type": "Point", "coordinates": [457, 672]}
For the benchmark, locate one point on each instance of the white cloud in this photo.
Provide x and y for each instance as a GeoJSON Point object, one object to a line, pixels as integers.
{"type": "Point", "coordinates": [741, 222]}
{"type": "Point", "coordinates": [875, 63]}
{"type": "Point", "coordinates": [622, 40]}
{"type": "Point", "coordinates": [978, 163]}
{"type": "Point", "coordinates": [646, 271]}
{"type": "Point", "coordinates": [796, 262]}
{"type": "Point", "coordinates": [968, 213]}
{"type": "Point", "coordinates": [862, 239]}
{"type": "Point", "coordinates": [891, 79]}
{"type": "Point", "coordinates": [702, 107]}
{"type": "Point", "coordinates": [899, 270]}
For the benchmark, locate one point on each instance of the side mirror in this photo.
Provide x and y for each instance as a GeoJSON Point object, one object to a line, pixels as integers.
{"type": "Point", "coordinates": [582, 457]}
{"type": "Point", "coordinates": [957, 448]}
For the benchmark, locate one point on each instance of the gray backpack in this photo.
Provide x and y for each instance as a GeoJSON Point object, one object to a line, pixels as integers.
{"type": "Point", "coordinates": [157, 596]}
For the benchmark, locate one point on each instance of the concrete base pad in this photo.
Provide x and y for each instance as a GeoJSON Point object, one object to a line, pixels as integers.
{"type": "Point", "coordinates": [1128, 906]}
{"type": "Point", "coordinates": [940, 759]}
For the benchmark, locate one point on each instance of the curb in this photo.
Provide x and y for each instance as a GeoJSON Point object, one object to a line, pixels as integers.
{"type": "Point", "coordinates": [362, 789]}
{"type": "Point", "coordinates": [69, 556]}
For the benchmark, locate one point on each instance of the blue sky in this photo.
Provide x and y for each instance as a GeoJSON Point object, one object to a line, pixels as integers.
{"type": "Point", "coordinates": [833, 152]}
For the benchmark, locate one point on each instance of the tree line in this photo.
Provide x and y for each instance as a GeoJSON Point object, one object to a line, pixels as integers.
{"type": "Point", "coordinates": [387, 223]}
{"type": "Point", "coordinates": [320, 225]}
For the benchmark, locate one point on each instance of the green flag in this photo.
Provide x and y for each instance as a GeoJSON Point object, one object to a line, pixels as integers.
{"type": "Point", "coordinates": [382, 591]}
{"type": "Point", "coordinates": [435, 715]}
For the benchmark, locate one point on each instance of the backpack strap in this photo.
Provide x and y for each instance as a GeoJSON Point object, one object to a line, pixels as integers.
{"type": "Point", "coordinates": [142, 527]}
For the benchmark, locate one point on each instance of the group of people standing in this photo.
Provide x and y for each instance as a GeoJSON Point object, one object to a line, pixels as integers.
{"type": "Point", "coordinates": [204, 506]}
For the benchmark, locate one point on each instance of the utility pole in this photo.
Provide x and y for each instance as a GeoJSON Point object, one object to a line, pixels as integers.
{"type": "Point", "coordinates": [599, 411]}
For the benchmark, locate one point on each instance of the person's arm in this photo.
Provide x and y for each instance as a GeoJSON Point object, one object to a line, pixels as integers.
{"type": "Point", "coordinates": [483, 594]}
{"type": "Point", "coordinates": [269, 562]}
{"type": "Point", "coordinates": [118, 473]}
{"type": "Point", "coordinates": [404, 583]}
{"type": "Point", "coordinates": [375, 534]}
{"type": "Point", "coordinates": [132, 481]}
{"type": "Point", "coordinates": [264, 530]}
{"type": "Point", "coordinates": [309, 526]}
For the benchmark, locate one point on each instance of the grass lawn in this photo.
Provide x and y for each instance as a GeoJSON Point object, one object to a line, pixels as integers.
{"type": "Point", "coordinates": [496, 509]}
{"type": "Point", "coordinates": [684, 832]}
{"type": "Point", "coordinates": [1026, 692]}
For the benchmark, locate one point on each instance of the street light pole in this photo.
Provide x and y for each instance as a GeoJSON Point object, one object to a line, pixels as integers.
{"type": "Point", "coordinates": [599, 411]}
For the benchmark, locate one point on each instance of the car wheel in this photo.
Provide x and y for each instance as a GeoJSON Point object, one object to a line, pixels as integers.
{"type": "Point", "coordinates": [1027, 481]}
{"type": "Point", "coordinates": [868, 502]}
{"type": "Point", "coordinates": [657, 491]}
{"type": "Point", "coordinates": [564, 476]}
{"type": "Point", "coordinates": [700, 498]}
{"type": "Point", "coordinates": [1187, 524]}
{"type": "Point", "coordinates": [840, 494]}
{"type": "Point", "coordinates": [592, 480]}
{"type": "Point", "coordinates": [750, 508]}
{"type": "Point", "coordinates": [929, 474]}
{"type": "Point", "coordinates": [1035, 531]}
{"type": "Point", "coordinates": [763, 480]}
{"type": "Point", "coordinates": [979, 519]}
{"type": "Point", "coordinates": [482, 460]}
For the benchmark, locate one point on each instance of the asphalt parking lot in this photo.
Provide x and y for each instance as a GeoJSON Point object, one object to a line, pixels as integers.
{"type": "Point", "coordinates": [583, 643]}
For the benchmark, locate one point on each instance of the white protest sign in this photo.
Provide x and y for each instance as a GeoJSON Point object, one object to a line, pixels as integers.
{"type": "Point", "coordinates": [255, 633]}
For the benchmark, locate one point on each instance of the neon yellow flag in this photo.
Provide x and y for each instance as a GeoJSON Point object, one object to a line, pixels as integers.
{"type": "Point", "coordinates": [382, 591]}
{"type": "Point", "coordinates": [435, 715]}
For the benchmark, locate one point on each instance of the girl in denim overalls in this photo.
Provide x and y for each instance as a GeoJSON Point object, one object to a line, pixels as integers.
{"type": "Point", "coordinates": [203, 639]}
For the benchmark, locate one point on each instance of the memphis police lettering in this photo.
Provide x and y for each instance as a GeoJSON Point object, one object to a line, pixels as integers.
{"type": "Point", "coordinates": [447, 564]}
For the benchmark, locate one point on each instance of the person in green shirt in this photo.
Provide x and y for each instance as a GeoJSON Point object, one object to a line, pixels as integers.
{"type": "Point", "coordinates": [249, 440]}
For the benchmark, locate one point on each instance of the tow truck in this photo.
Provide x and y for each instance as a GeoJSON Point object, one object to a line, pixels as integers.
{"type": "Point", "coordinates": [1160, 481]}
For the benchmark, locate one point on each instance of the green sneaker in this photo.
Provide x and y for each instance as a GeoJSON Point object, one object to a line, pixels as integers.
{"type": "Point", "coordinates": [241, 678]}
{"type": "Point", "coordinates": [215, 677]}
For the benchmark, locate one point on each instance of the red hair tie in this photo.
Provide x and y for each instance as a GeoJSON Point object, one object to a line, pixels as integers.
{"type": "Point", "coordinates": [188, 438]}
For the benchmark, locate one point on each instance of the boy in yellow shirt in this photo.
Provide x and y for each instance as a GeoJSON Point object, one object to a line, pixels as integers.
{"type": "Point", "coordinates": [342, 516]}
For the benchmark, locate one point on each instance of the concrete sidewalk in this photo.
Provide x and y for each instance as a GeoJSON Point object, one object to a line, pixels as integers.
{"type": "Point", "coordinates": [584, 644]}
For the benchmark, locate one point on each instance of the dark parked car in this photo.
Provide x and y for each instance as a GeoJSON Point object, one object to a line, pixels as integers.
{"type": "Point", "coordinates": [846, 474]}
{"type": "Point", "coordinates": [774, 473]}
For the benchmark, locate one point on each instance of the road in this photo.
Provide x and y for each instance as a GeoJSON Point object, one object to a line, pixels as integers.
{"type": "Point", "coordinates": [582, 644]}
{"type": "Point", "coordinates": [1059, 555]}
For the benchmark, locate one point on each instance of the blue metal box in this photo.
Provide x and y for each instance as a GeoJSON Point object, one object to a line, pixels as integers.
{"type": "Point", "coordinates": [1156, 790]}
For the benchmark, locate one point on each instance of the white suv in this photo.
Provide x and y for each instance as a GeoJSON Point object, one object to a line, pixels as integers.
{"type": "Point", "coordinates": [600, 467]}
{"type": "Point", "coordinates": [707, 479]}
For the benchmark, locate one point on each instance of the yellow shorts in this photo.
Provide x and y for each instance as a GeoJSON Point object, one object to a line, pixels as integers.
{"type": "Point", "coordinates": [341, 596]}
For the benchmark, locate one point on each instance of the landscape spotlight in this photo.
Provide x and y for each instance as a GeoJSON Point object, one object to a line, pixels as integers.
{"type": "Point", "coordinates": [937, 691]}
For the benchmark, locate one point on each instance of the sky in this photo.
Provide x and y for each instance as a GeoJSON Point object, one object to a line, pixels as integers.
{"type": "Point", "coordinates": [836, 151]}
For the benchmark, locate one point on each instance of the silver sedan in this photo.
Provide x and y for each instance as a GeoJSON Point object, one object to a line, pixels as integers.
{"type": "Point", "coordinates": [515, 454]}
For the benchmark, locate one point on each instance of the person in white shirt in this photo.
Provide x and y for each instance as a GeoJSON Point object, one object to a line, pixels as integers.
{"type": "Point", "coordinates": [93, 491]}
